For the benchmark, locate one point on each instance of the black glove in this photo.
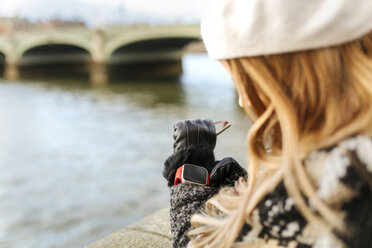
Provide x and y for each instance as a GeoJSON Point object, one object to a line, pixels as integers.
{"type": "Point", "coordinates": [226, 172]}
{"type": "Point", "coordinates": [194, 141]}
{"type": "Point", "coordinates": [196, 132]}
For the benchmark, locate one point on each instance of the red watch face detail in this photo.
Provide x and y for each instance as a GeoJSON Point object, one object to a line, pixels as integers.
{"type": "Point", "coordinates": [193, 174]}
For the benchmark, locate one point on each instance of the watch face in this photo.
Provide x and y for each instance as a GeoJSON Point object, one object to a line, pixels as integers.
{"type": "Point", "coordinates": [195, 174]}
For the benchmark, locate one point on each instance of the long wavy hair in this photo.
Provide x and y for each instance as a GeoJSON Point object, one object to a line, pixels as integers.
{"type": "Point", "coordinates": [302, 101]}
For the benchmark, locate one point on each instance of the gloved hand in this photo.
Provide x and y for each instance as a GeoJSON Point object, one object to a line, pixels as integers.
{"type": "Point", "coordinates": [196, 132]}
{"type": "Point", "coordinates": [226, 172]}
{"type": "Point", "coordinates": [194, 141]}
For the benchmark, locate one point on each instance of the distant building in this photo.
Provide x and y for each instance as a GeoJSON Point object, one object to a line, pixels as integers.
{"type": "Point", "coordinates": [15, 23]}
{"type": "Point", "coordinates": [57, 23]}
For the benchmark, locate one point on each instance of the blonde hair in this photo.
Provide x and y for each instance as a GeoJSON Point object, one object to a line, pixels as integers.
{"type": "Point", "coordinates": [304, 101]}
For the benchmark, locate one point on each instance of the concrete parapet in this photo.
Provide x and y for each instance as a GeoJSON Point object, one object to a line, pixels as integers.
{"type": "Point", "coordinates": [152, 231]}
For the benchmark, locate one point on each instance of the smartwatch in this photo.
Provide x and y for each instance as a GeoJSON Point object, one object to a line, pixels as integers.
{"type": "Point", "coordinates": [192, 174]}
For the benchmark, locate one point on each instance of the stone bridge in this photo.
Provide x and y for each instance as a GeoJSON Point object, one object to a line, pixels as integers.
{"type": "Point", "coordinates": [100, 46]}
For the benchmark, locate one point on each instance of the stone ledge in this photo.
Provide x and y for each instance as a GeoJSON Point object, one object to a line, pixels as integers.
{"type": "Point", "coordinates": [152, 231]}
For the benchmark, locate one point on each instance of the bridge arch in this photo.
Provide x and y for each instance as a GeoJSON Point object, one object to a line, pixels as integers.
{"type": "Point", "coordinates": [139, 37]}
{"type": "Point", "coordinates": [23, 47]}
{"type": "Point", "coordinates": [2, 63]}
{"type": "Point", "coordinates": [168, 48]}
{"type": "Point", "coordinates": [2, 49]}
{"type": "Point", "coordinates": [2, 58]}
{"type": "Point", "coordinates": [55, 54]}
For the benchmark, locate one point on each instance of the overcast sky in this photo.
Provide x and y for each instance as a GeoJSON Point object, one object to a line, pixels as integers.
{"type": "Point", "coordinates": [96, 12]}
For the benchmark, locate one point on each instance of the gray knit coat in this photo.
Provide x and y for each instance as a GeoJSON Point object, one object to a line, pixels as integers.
{"type": "Point", "coordinates": [343, 177]}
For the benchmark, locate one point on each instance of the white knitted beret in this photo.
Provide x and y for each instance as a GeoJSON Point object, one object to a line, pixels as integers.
{"type": "Point", "coordinates": [241, 28]}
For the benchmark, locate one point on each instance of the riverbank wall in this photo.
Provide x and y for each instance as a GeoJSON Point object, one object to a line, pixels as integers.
{"type": "Point", "coordinates": [152, 231]}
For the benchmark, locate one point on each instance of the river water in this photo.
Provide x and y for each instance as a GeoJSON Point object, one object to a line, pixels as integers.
{"type": "Point", "coordinates": [79, 161]}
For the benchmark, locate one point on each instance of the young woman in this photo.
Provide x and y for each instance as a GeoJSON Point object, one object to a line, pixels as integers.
{"type": "Point", "coordinates": [303, 71]}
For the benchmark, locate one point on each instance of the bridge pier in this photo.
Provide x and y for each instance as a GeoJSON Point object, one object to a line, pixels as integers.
{"type": "Point", "coordinates": [11, 69]}
{"type": "Point", "coordinates": [98, 74]}
{"type": "Point", "coordinates": [11, 72]}
{"type": "Point", "coordinates": [98, 68]}
{"type": "Point", "coordinates": [98, 54]}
